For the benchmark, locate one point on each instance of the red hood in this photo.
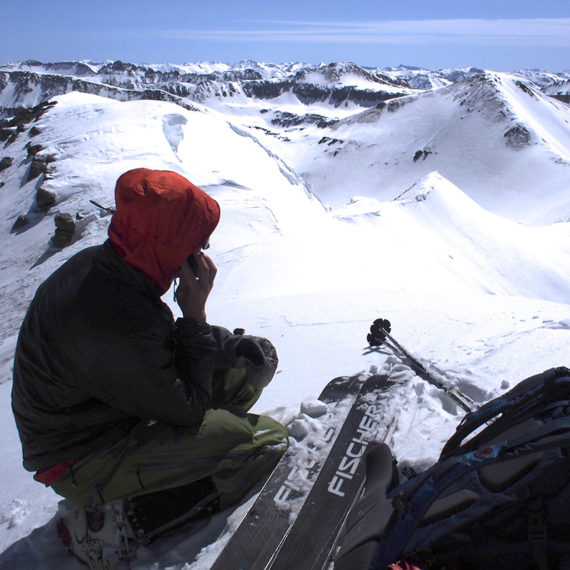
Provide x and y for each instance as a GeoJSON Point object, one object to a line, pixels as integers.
{"type": "Point", "coordinates": [161, 219]}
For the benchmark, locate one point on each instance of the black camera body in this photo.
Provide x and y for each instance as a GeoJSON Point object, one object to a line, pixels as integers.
{"type": "Point", "coordinates": [193, 264]}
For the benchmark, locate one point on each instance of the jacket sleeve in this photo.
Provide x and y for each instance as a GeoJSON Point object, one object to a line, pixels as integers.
{"type": "Point", "coordinates": [142, 373]}
{"type": "Point", "coordinates": [135, 359]}
{"type": "Point", "coordinates": [197, 352]}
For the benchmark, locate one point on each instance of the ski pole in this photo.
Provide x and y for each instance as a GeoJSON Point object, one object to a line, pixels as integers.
{"type": "Point", "coordinates": [108, 210]}
{"type": "Point", "coordinates": [380, 336]}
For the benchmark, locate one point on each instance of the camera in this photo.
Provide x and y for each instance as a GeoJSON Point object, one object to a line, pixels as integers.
{"type": "Point", "coordinates": [193, 264]}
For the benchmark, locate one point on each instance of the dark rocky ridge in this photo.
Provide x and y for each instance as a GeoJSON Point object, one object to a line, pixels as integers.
{"type": "Point", "coordinates": [33, 82]}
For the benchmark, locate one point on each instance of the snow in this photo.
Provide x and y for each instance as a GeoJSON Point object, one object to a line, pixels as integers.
{"type": "Point", "coordinates": [471, 262]}
{"type": "Point", "coordinates": [462, 129]}
{"type": "Point", "coordinates": [351, 79]}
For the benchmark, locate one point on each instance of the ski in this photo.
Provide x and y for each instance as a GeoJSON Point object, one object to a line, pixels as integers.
{"type": "Point", "coordinates": [266, 524]}
{"type": "Point", "coordinates": [299, 517]}
{"type": "Point", "coordinates": [311, 538]}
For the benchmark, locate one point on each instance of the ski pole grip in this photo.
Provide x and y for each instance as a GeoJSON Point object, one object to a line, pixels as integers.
{"type": "Point", "coordinates": [378, 330]}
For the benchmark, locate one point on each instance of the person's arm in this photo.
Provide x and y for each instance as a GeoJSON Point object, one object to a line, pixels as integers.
{"type": "Point", "coordinates": [128, 353]}
{"type": "Point", "coordinates": [142, 376]}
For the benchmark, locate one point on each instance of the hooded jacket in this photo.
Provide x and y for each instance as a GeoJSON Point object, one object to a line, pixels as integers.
{"type": "Point", "coordinates": [161, 219]}
{"type": "Point", "coordinates": [98, 350]}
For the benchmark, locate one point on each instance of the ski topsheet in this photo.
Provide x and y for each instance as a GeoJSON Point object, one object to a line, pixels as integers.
{"type": "Point", "coordinates": [265, 527]}
{"type": "Point", "coordinates": [313, 535]}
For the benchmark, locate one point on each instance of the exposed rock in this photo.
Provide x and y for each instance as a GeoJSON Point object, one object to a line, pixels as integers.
{"type": "Point", "coordinates": [13, 136]}
{"type": "Point", "coordinates": [64, 230]}
{"type": "Point", "coordinates": [559, 90]}
{"type": "Point", "coordinates": [48, 86]}
{"type": "Point", "coordinates": [5, 134]}
{"type": "Point", "coordinates": [309, 93]}
{"type": "Point", "coordinates": [6, 162]}
{"type": "Point", "coordinates": [64, 222]}
{"type": "Point", "coordinates": [34, 131]}
{"type": "Point", "coordinates": [393, 104]}
{"type": "Point", "coordinates": [21, 222]}
{"type": "Point", "coordinates": [19, 117]}
{"type": "Point", "coordinates": [39, 165]}
{"type": "Point", "coordinates": [118, 65]}
{"type": "Point", "coordinates": [518, 137]}
{"type": "Point", "coordinates": [36, 168]}
{"type": "Point", "coordinates": [286, 119]}
{"type": "Point", "coordinates": [242, 75]}
{"type": "Point", "coordinates": [61, 238]}
{"type": "Point", "coordinates": [421, 153]}
{"type": "Point", "coordinates": [266, 89]}
{"type": "Point", "coordinates": [45, 199]}
{"type": "Point", "coordinates": [329, 141]}
{"type": "Point", "coordinates": [526, 88]}
{"type": "Point", "coordinates": [33, 149]}
{"type": "Point", "coordinates": [456, 75]}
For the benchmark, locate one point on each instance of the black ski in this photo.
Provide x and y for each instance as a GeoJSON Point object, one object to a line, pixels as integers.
{"type": "Point", "coordinates": [273, 537]}
{"type": "Point", "coordinates": [313, 535]}
{"type": "Point", "coordinates": [265, 526]}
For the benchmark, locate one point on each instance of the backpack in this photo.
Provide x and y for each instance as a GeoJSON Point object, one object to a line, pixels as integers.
{"type": "Point", "coordinates": [498, 497]}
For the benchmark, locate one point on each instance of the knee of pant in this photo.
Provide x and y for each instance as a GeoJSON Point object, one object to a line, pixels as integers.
{"type": "Point", "coordinates": [231, 387]}
{"type": "Point", "coordinates": [268, 431]}
{"type": "Point", "coordinates": [223, 426]}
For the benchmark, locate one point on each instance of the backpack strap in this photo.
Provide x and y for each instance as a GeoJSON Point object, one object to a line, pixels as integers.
{"type": "Point", "coordinates": [536, 524]}
{"type": "Point", "coordinates": [549, 384]}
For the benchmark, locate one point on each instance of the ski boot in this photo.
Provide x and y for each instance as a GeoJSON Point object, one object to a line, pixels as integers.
{"type": "Point", "coordinates": [100, 536]}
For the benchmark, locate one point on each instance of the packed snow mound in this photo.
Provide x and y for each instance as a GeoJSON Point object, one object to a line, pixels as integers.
{"type": "Point", "coordinates": [496, 248]}
{"type": "Point", "coordinates": [457, 245]}
{"type": "Point", "coordinates": [438, 233]}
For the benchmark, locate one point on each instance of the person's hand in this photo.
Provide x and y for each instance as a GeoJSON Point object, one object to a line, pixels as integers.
{"type": "Point", "coordinates": [194, 289]}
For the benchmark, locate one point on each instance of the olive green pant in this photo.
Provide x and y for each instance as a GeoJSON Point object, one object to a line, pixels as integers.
{"type": "Point", "coordinates": [232, 447]}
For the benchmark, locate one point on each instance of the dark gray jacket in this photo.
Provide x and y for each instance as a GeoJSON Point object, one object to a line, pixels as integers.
{"type": "Point", "coordinates": [97, 351]}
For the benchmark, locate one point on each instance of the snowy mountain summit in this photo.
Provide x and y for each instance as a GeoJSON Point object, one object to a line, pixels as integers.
{"type": "Point", "coordinates": [437, 199]}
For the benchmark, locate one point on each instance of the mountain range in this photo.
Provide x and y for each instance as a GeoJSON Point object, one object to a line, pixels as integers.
{"type": "Point", "coordinates": [29, 82]}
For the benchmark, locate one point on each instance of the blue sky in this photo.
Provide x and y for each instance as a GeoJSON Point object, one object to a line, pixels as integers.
{"type": "Point", "coordinates": [504, 35]}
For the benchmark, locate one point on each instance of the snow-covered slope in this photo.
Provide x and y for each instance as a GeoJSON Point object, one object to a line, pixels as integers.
{"type": "Point", "coordinates": [485, 297]}
{"type": "Point", "coordinates": [494, 135]}
{"type": "Point", "coordinates": [268, 211]}
{"type": "Point", "coordinates": [497, 136]}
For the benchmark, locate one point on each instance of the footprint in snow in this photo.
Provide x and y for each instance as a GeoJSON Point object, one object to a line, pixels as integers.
{"type": "Point", "coordinates": [564, 324]}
